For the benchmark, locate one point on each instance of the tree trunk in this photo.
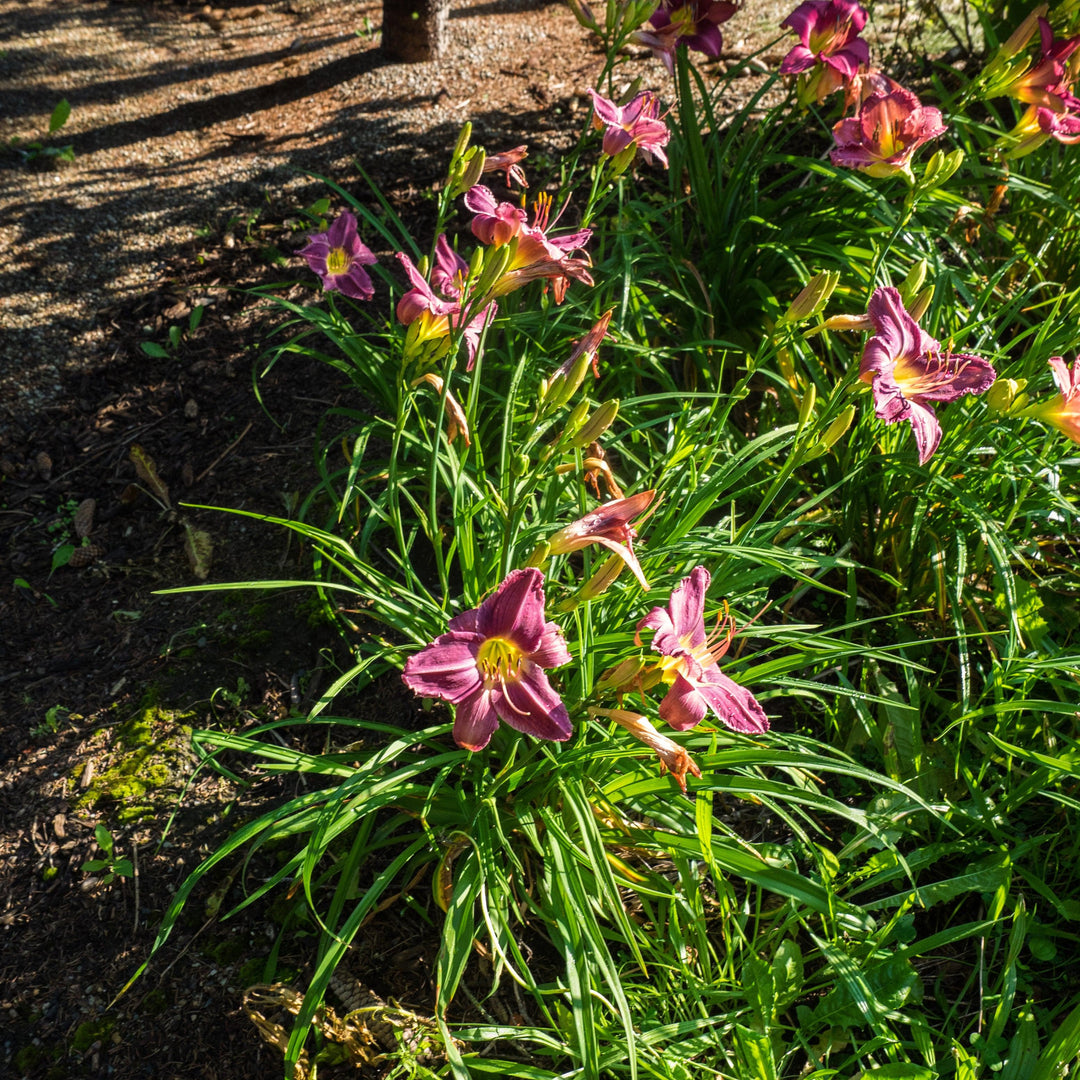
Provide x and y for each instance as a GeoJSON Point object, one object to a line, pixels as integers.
{"type": "Point", "coordinates": [415, 30]}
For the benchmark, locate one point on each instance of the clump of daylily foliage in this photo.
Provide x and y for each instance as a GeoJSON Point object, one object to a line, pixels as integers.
{"type": "Point", "coordinates": [629, 504]}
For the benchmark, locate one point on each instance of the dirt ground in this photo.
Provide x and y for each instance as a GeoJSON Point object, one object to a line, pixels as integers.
{"type": "Point", "coordinates": [193, 129]}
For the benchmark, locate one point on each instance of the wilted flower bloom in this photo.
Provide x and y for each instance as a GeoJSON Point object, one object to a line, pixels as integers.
{"type": "Point", "coordinates": [672, 756]}
{"type": "Point", "coordinates": [885, 134]}
{"type": "Point", "coordinates": [339, 256]}
{"type": "Point", "coordinates": [907, 370]}
{"type": "Point", "coordinates": [635, 125]}
{"type": "Point", "coordinates": [697, 684]}
{"type": "Point", "coordinates": [610, 526]}
{"type": "Point", "coordinates": [489, 665]}
{"type": "Point", "coordinates": [1063, 409]}
{"type": "Point", "coordinates": [568, 377]}
{"type": "Point", "coordinates": [694, 24]}
{"type": "Point", "coordinates": [509, 161]}
{"type": "Point", "coordinates": [456, 421]}
{"type": "Point", "coordinates": [828, 41]}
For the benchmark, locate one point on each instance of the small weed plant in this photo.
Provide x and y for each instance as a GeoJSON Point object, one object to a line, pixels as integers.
{"type": "Point", "coordinates": [720, 523]}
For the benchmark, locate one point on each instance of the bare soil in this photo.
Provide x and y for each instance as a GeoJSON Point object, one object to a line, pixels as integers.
{"type": "Point", "coordinates": [193, 129]}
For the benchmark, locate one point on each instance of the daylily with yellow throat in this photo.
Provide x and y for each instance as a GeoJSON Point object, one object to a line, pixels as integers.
{"type": "Point", "coordinates": [907, 369]}
{"type": "Point", "coordinates": [691, 658]}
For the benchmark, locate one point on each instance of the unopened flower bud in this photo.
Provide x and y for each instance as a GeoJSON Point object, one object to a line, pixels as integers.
{"type": "Point", "coordinates": [806, 409]}
{"type": "Point", "coordinates": [596, 425]}
{"type": "Point", "coordinates": [913, 282]}
{"type": "Point", "coordinates": [922, 302]}
{"type": "Point", "coordinates": [576, 418]}
{"type": "Point", "coordinates": [562, 386]}
{"type": "Point", "coordinates": [848, 322]}
{"type": "Point", "coordinates": [539, 554]}
{"type": "Point", "coordinates": [838, 428]}
{"type": "Point", "coordinates": [1003, 395]}
{"type": "Point", "coordinates": [496, 260]}
{"type": "Point", "coordinates": [462, 143]}
{"type": "Point", "coordinates": [519, 464]}
{"type": "Point", "coordinates": [467, 172]}
{"type": "Point", "coordinates": [813, 298]}
{"type": "Point", "coordinates": [623, 677]}
{"type": "Point", "coordinates": [1018, 39]}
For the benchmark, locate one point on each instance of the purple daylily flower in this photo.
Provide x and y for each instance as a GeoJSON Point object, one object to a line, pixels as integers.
{"type": "Point", "coordinates": [829, 46]}
{"type": "Point", "coordinates": [490, 662]}
{"type": "Point", "coordinates": [692, 23]}
{"type": "Point", "coordinates": [495, 222]}
{"type": "Point", "coordinates": [636, 124]}
{"type": "Point", "coordinates": [339, 256]}
{"type": "Point", "coordinates": [441, 309]}
{"type": "Point", "coordinates": [828, 34]}
{"type": "Point", "coordinates": [697, 684]}
{"type": "Point", "coordinates": [882, 139]}
{"type": "Point", "coordinates": [907, 370]}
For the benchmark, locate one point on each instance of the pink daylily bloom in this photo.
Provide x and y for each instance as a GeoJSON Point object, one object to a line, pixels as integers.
{"type": "Point", "coordinates": [495, 222]}
{"type": "Point", "coordinates": [882, 139]}
{"type": "Point", "coordinates": [907, 370]}
{"type": "Point", "coordinates": [509, 161]}
{"type": "Point", "coordinates": [609, 526]}
{"type": "Point", "coordinates": [441, 312]}
{"type": "Point", "coordinates": [535, 255]}
{"type": "Point", "coordinates": [636, 124]}
{"type": "Point", "coordinates": [829, 46]}
{"type": "Point", "coordinates": [489, 664]}
{"type": "Point", "coordinates": [1063, 409]}
{"type": "Point", "coordinates": [694, 24]}
{"type": "Point", "coordinates": [697, 684]}
{"type": "Point", "coordinates": [1048, 82]}
{"type": "Point", "coordinates": [339, 256]}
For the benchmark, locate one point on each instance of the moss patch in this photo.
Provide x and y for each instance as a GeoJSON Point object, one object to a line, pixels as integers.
{"type": "Point", "coordinates": [150, 752]}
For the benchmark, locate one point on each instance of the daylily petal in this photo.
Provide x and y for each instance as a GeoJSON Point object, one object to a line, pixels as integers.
{"type": "Point", "coordinates": [552, 651]}
{"type": "Point", "coordinates": [531, 706]}
{"type": "Point", "coordinates": [734, 704]}
{"type": "Point", "coordinates": [684, 705]}
{"type": "Point", "coordinates": [446, 669]}
{"type": "Point", "coordinates": [924, 423]}
{"type": "Point", "coordinates": [476, 720]}
{"type": "Point", "coordinates": [515, 610]}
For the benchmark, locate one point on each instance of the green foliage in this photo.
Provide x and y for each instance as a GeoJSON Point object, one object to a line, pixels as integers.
{"type": "Point", "coordinates": [883, 885]}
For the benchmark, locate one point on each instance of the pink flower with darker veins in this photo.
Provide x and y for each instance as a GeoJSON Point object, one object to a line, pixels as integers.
{"type": "Point", "coordinates": [489, 664]}
{"type": "Point", "coordinates": [694, 24]}
{"type": "Point", "coordinates": [1063, 409]}
{"type": "Point", "coordinates": [637, 124]}
{"type": "Point", "coordinates": [339, 256]}
{"type": "Point", "coordinates": [697, 684]}
{"type": "Point", "coordinates": [534, 254]}
{"type": "Point", "coordinates": [907, 370]}
{"type": "Point", "coordinates": [882, 139]}
{"type": "Point", "coordinates": [829, 46]}
{"type": "Point", "coordinates": [438, 311]}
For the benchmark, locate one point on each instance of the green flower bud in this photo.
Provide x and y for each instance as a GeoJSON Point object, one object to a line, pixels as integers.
{"type": "Point", "coordinates": [596, 425]}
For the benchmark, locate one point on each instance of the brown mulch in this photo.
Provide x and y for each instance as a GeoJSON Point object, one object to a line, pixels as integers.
{"type": "Point", "coordinates": [194, 128]}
